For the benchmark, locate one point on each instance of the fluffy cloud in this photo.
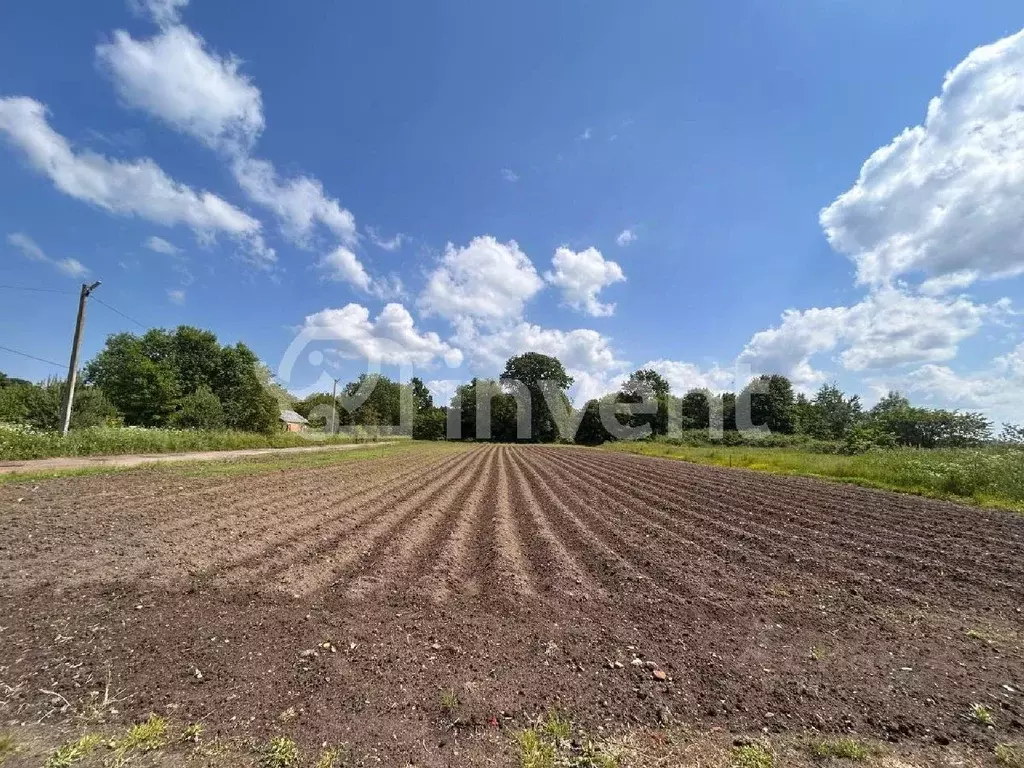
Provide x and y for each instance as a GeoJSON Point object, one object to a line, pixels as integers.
{"type": "Point", "coordinates": [174, 77]}
{"type": "Point", "coordinates": [300, 202]}
{"type": "Point", "coordinates": [509, 175]}
{"type": "Point", "coordinates": [31, 250]}
{"type": "Point", "coordinates": [944, 198]}
{"type": "Point", "coordinates": [486, 280]}
{"type": "Point", "coordinates": [159, 245]}
{"type": "Point", "coordinates": [127, 188]}
{"type": "Point", "coordinates": [998, 390]}
{"type": "Point", "coordinates": [391, 339]}
{"type": "Point", "coordinates": [176, 296]}
{"type": "Point", "coordinates": [889, 328]}
{"type": "Point", "coordinates": [342, 265]}
{"type": "Point", "coordinates": [581, 276]}
{"type": "Point", "coordinates": [683, 377]}
{"type": "Point", "coordinates": [625, 237]}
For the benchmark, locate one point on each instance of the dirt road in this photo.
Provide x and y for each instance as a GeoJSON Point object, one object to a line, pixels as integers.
{"type": "Point", "coordinates": [621, 589]}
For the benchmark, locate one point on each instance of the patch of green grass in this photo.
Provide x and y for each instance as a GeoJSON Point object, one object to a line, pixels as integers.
{"type": "Point", "coordinates": [549, 744]}
{"type": "Point", "coordinates": [845, 748]}
{"type": "Point", "coordinates": [329, 758]}
{"type": "Point", "coordinates": [23, 443]}
{"type": "Point", "coordinates": [981, 714]}
{"type": "Point", "coordinates": [534, 750]}
{"type": "Point", "coordinates": [192, 733]}
{"type": "Point", "coordinates": [990, 477]}
{"type": "Point", "coordinates": [751, 756]}
{"type": "Point", "coordinates": [557, 726]}
{"type": "Point", "coordinates": [71, 752]}
{"type": "Point", "coordinates": [281, 752]}
{"type": "Point", "coordinates": [7, 747]}
{"type": "Point", "coordinates": [1010, 756]}
{"type": "Point", "coordinates": [142, 737]}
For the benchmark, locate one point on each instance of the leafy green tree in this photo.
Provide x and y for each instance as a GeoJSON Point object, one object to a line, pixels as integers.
{"type": "Point", "coordinates": [147, 377]}
{"type": "Point", "coordinates": [430, 424]}
{"type": "Point", "coordinates": [642, 386]}
{"type": "Point", "coordinates": [695, 408]}
{"type": "Point", "coordinates": [537, 373]}
{"type": "Point", "coordinates": [422, 398]}
{"type": "Point", "coordinates": [772, 403]}
{"type": "Point", "coordinates": [832, 414]}
{"type": "Point", "coordinates": [199, 410]}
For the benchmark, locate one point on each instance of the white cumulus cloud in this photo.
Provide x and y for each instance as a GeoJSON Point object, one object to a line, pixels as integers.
{"type": "Point", "coordinates": [944, 198]}
{"type": "Point", "coordinates": [343, 265]}
{"type": "Point", "coordinates": [161, 12]}
{"type": "Point", "coordinates": [173, 77]}
{"type": "Point", "coordinates": [486, 280]}
{"type": "Point", "coordinates": [683, 376]}
{"type": "Point", "coordinates": [391, 339]}
{"type": "Point", "coordinates": [127, 188]}
{"type": "Point", "coordinates": [888, 328]}
{"type": "Point", "coordinates": [581, 276]}
{"type": "Point", "coordinates": [177, 79]}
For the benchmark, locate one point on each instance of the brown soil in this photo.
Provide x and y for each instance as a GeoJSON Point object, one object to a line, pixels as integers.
{"type": "Point", "coordinates": [515, 576]}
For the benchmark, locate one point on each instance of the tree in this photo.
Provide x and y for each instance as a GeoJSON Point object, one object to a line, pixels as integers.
{"type": "Point", "coordinates": [695, 408]}
{"type": "Point", "coordinates": [430, 424]}
{"type": "Point", "coordinates": [538, 373]}
{"type": "Point", "coordinates": [772, 403]}
{"type": "Point", "coordinates": [199, 410]}
{"type": "Point", "coordinates": [420, 394]}
{"type": "Point", "coordinates": [146, 378]}
{"type": "Point", "coordinates": [643, 386]}
{"type": "Point", "coordinates": [1012, 433]}
{"type": "Point", "coordinates": [831, 414]}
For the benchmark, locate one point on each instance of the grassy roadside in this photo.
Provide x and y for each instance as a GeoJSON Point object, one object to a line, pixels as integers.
{"type": "Point", "coordinates": [253, 465]}
{"type": "Point", "coordinates": [19, 443]}
{"type": "Point", "coordinates": [986, 477]}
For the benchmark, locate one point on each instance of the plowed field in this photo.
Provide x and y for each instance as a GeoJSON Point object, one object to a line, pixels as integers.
{"type": "Point", "coordinates": [515, 576]}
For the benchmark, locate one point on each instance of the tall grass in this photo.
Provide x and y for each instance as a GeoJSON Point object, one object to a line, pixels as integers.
{"type": "Point", "coordinates": [992, 477]}
{"type": "Point", "coordinates": [17, 442]}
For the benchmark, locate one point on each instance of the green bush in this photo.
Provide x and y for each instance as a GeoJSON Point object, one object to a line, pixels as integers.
{"type": "Point", "coordinates": [200, 410]}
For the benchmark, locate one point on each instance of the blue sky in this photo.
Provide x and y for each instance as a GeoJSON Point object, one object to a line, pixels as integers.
{"type": "Point", "coordinates": [442, 185]}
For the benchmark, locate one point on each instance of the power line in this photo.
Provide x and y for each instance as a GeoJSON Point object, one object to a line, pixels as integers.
{"type": "Point", "coordinates": [36, 290]}
{"type": "Point", "coordinates": [31, 357]}
{"type": "Point", "coordinates": [118, 311]}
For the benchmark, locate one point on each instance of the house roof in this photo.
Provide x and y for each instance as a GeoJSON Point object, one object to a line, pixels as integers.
{"type": "Point", "coordinates": [291, 417]}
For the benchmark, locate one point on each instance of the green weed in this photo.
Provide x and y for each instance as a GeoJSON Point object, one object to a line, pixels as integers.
{"type": "Point", "coordinates": [71, 752]}
{"type": "Point", "coordinates": [192, 733]}
{"type": "Point", "coordinates": [281, 752]}
{"type": "Point", "coordinates": [329, 758]}
{"type": "Point", "coordinates": [534, 750]}
{"type": "Point", "coordinates": [751, 756]}
{"type": "Point", "coordinates": [449, 701]}
{"type": "Point", "coordinates": [846, 748]}
{"type": "Point", "coordinates": [981, 714]}
{"type": "Point", "coordinates": [1010, 756]}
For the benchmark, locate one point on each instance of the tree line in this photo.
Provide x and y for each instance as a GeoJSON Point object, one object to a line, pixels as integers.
{"type": "Point", "coordinates": [187, 379]}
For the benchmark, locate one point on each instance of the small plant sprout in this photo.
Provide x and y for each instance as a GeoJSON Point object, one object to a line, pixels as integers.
{"type": "Point", "coordinates": [981, 714]}
{"type": "Point", "coordinates": [449, 700]}
{"type": "Point", "coordinates": [281, 752]}
{"type": "Point", "coordinates": [192, 733]}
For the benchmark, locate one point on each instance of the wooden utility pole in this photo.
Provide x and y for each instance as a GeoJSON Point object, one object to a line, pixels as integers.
{"type": "Point", "coordinates": [334, 408]}
{"type": "Point", "coordinates": [69, 389]}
